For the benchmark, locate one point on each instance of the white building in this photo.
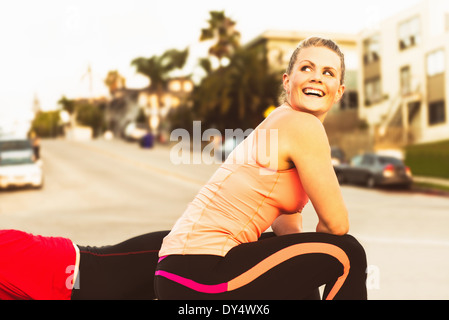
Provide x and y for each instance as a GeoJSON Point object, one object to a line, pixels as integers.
{"type": "Point", "coordinates": [404, 85]}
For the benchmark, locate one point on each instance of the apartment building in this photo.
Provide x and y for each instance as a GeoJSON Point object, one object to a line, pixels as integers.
{"type": "Point", "coordinates": [127, 105]}
{"type": "Point", "coordinates": [404, 85]}
{"type": "Point", "coordinates": [278, 46]}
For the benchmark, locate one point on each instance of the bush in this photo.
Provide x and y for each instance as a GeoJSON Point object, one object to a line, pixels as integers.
{"type": "Point", "coordinates": [91, 116]}
{"type": "Point", "coordinates": [46, 124]}
{"type": "Point", "coordinates": [430, 159]}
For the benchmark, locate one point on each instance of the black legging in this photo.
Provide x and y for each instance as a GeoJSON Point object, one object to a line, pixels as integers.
{"type": "Point", "coordinates": [122, 271]}
{"type": "Point", "coordinates": [286, 267]}
{"type": "Point", "coordinates": [119, 272]}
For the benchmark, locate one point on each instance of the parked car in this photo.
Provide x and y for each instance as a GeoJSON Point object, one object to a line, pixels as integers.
{"type": "Point", "coordinates": [373, 170]}
{"type": "Point", "coordinates": [14, 144]}
{"type": "Point", "coordinates": [338, 156]}
{"type": "Point", "coordinates": [18, 164]}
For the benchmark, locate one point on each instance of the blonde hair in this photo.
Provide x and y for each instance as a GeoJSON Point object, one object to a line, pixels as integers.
{"type": "Point", "coordinates": [315, 42]}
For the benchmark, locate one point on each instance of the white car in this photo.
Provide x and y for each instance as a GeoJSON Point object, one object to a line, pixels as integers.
{"type": "Point", "coordinates": [224, 149]}
{"type": "Point", "coordinates": [135, 132]}
{"type": "Point", "coordinates": [18, 169]}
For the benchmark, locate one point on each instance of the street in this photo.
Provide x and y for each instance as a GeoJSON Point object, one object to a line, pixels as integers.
{"type": "Point", "coordinates": [102, 192]}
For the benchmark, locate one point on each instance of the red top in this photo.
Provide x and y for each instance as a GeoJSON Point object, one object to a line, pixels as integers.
{"type": "Point", "coordinates": [35, 267]}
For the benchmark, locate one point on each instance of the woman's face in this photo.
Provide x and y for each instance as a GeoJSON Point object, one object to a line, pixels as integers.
{"type": "Point", "coordinates": [314, 83]}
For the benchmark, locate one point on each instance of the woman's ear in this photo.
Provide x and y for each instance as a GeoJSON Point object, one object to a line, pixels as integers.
{"type": "Point", "coordinates": [340, 92]}
{"type": "Point", "coordinates": [286, 82]}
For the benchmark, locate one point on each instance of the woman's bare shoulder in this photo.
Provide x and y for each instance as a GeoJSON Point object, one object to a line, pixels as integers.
{"type": "Point", "coordinates": [287, 116]}
{"type": "Point", "coordinates": [297, 133]}
{"type": "Point", "coordinates": [296, 125]}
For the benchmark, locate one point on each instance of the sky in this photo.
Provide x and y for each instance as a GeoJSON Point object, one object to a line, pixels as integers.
{"type": "Point", "coordinates": [47, 46]}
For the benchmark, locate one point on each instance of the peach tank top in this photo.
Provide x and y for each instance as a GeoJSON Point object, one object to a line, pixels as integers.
{"type": "Point", "coordinates": [238, 203]}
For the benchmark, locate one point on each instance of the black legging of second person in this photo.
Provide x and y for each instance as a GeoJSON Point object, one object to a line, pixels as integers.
{"type": "Point", "coordinates": [124, 271]}
{"type": "Point", "coordinates": [127, 270]}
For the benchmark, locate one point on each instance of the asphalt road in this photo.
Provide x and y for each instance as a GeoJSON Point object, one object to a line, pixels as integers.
{"type": "Point", "coordinates": [102, 192]}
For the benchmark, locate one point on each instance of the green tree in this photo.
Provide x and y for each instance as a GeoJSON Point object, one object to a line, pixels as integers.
{"type": "Point", "coordinates": [206, 65]}
{"type": "Point", "coordinates": [253, 86]}
{"type": "Point", "coordinates": [85, 113]}
{"type": "Point", "coordinates": [91, 116]}
{"type": "Point", "coordinates": [226, 38]}
{"type": "Point", "coordinates": [114, 80]}
{"type": "Point", "coordinates": [158, 68]}
{"type": "Point", "coordinates": [237, 95]}
{"type": "Point", "coordinates": [67, 104]}
{"type": "Point", "coordinates": [46, 124]}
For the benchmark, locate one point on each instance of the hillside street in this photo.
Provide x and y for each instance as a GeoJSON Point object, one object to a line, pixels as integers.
{"type": "Point", "coordinates": [103, 192]}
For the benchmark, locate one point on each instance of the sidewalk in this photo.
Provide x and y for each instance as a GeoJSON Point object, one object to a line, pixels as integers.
{"type": "Point", "coordinates": [431, 180]}
{"type": "Point", "coordinates": [431, 185]}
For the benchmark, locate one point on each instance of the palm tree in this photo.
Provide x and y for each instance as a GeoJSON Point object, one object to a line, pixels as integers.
{"type": "Point", "coordinates": [222, 30]}
{"type": "Point", "coordinates": [67, 104]}
{"type": "Point", "coordinates": [254, 87]}
{"type": "Point", "coordinates": [206, 65]}
{"type": "Point", "coordinates": [237, 95]}
{"type": "Point", "coordinates": [114, 80]}
{"type": "Point", "coordinates": [158, 68]}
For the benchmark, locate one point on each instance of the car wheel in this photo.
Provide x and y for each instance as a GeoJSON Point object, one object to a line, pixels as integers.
{"type": "Point", "coordinates": [371, 182]}
{"type": "Point", "coordinates": [406, 186]}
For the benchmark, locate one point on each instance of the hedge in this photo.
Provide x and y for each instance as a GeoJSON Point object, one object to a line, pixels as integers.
{"type": "Point", "coordinates": [430, 159]}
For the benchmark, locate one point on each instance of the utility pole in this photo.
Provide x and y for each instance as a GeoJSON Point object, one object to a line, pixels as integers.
{"type": "Point", "coordinates": [36, 104]}
{"type": "Point", "coordinates": [89, 75]}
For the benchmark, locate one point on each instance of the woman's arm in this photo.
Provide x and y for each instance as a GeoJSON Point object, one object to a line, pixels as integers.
{"type": "Point", "coordinates": [287, 224]}
{"type": "Point", "coordinates": [309, 150]}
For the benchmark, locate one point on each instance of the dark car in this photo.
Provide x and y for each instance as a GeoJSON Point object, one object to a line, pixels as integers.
{"type": "Point", "coordinates": [338, 156]}
{"type": "Point", "coordinates": [373, 170]}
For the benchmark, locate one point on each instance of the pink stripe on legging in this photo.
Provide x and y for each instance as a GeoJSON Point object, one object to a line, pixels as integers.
{"type": "Point", "coordinates": [217, 288]}
{"type": "Point", "coordinates": [269, 263]}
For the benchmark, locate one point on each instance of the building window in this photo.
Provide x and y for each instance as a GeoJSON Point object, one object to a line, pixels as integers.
{"type": "Point", "coordinates": [409, 33]}
{"type": "Point", "coordinates": [435, 63]}
{"type": "Point", "coordinates": [405, 80]}
{"type": "Point", "coordinates": [371, 50]}
{"type": "Point", "coordinates": [437, 112]}
{"type": "Point", "coordinates": [353, 99]}
{"type": "Point", "coordinates": [373, 91]}
{"type": "Point", "coordinates": [275, 57]}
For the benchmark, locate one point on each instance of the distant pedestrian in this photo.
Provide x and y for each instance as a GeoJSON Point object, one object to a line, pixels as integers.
{"type": "Point", "coordinates": [147, 141]}
{"type": "Point", "coordinates": [36, 143]}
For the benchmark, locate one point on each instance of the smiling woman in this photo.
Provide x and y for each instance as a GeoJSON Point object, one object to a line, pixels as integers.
{"type": "Point", "coordinates": [314, 79]}
{"type": "Point", "coordinates": [212, 251]}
